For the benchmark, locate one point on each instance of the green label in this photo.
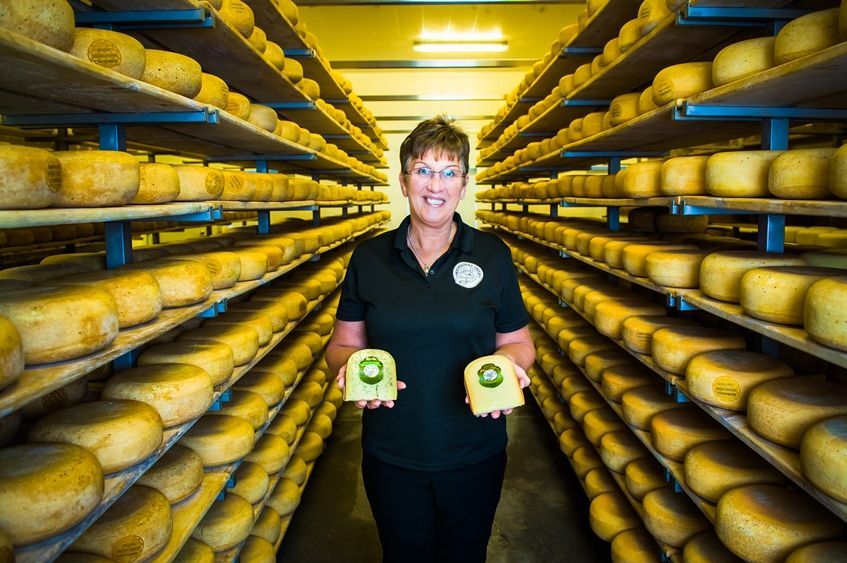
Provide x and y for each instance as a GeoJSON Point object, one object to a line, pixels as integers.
{"type": "Point", "coordinates": [370, 370]}
{"type": "Point", "coordinates": [490, 375]}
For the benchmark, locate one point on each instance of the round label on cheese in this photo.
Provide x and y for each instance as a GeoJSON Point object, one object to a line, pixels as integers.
{"type": "Point", "coordinates": [214, 183]}
{"type": "Point", "coordinates": [127, 549]}
{"type": "Point", "coordinates": [104, 53]}
{"type": "Point", "coordinates": [726, 388]}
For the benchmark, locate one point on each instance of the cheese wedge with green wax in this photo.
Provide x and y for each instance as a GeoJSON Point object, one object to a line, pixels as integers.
{"type": "Point", "coordinates": [492, 384]}
{"type": "Point", "coordinates": [371, 375]}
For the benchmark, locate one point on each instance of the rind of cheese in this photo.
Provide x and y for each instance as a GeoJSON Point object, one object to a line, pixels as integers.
{"type": "Point", "coordinates": [227, 523]}
{"type": "Point", "coordinates": [181, 282]}
{"type": "Point", "coordinates": [635, 255]}
{"type": "Point", "coordinates": [678, 268]}
{"type": "Point", "coordinates": [806, 35]}
{"type": "Point", "coordinates": [629, 35]}
{"type": "Point", "coordinates": [673, 347]}
{"type": "Point", "coordinates": [619, 448]}
{"type": "Point", "coordinates": [643, 476]}
{"type": "Point", "coordinates": [706, 548]}
{"type": "Point", "coordinates": [801, 174]}
{"type": "Point", "coordinates": [838, 164]}
{"type": "Point", "coordinates": [724, 378]}
{"type": "Point", "coordinates": [96, 179]}
{"type": "Point", "coordinates": [257, 321]}
{"type": "Point", "coordinates": [823, 552]}
{"type": "Point", "coordinates": [158, 183]}
{"type": "Point", "coordinates": [617, 380]}
{"type": "Point", "coordinates": [640, 405]}
{"type": "Point", "coordinates": [672, 518]}
{"type": "Point", "coordinates": [29, 177]}
{"type": "Point", "coordinates": [214, 358]}
{"type": "Point", "coordinates": [599, 481]}
{"type": "Point", "coordinates": [650, 14]}
{"type": "Point", "coordinates": [610, 514]}
{"type": "Point", "coordinates": [137, 295]}
{"type": "Point", "coordinates": [267, 525]}
{"type": "Point", "coordinates": [584, 459]}
{"type": "Point", "coordinates": [645, 101]}
{"type": "Point", "coordinates": [310, 88]}
{"type": "Point", "coordinates": [739, 173]}
{"type": "Point", "coordinates": [611, 315]}
{"type": "Point", "coordinates": [611, 50]}
{"type": "Point", "coordinates": [238, 105]}
{"type": "Point", "coordinates": [823, 452]}
{"type": "Point", "coordinates": [267, 385]}
{"type": "Point", "coordinates": [59, 484]}
{"type": "Point", "coordinates": [371, 375]}
{"type": "Point", "coordinates": [683, 175]}
{"type": "Point", "coordinates": [263, 116]}
{"type": "Point", "coordinates": [778, 294]}
{"type": "Point", "coordinates": [239, 15]}
{"type": "Point", "coordinates": [598, 362]}
{"type": "Point", "coordinates": [712, 469]}
{"type": "Point", "coordinates": [199, 183]}
{"type": "Point", "coordinates": [251, 482]}
{"type": "Point", "coordinates": [244, 340]}
{"type": "Point", "coordinates": [271, 453]}
{"type": "Point", "coordinates": [257, 550]}
{"type": "Point", "coordinates": [11, 353]}
{"type": "Point", "coordinates": [58, 324]}
{"type": "Point", "coordinates": [783, 409]}
{"type": "Point", "coordinates": [642, 179]}
{"type": "Point", "coordinates": [767, 522]}
{"type": "Point", "coordinates": [295, 470]}
{"type": "Point", "coordinates": [676, 431]}
{"type": "Point", "coordinates": [174, 72]}
{"type": "Point", "coordinates": [571, 440]}
{"type": "Point", "coordinates": [213, 91]}
{"type": "Point", "coordinates": [310, 447]}
{"type": "Point", "coordinates": [721, 272]}
{"type": "Point", "coordinates": [219, 439]}
{"type": "Point", "coordinates": [742, 59]}
{"type": "Point", "coordinates": [178, 392]}
{"type": "Point", "coordinates": [119, 433]}
{"type": "Point", "coordinates": [292, 70]}
{"type": "Point", "coordinates": [825, 312]}
{"type": "Point", "coordinates": [634, 546]}
{"type": "Point", "coordinates": [274, 55]}
{"type": "Point", "coordinates": [176, 474]}
{"type": "Point", "coordinates": [138, 525]}
{"type": "Point", "coordinates": [47, 21]}
{"type": "Point", "coordinates": [681, 81]}
{"type": "Point", "coordinates": [110, 49]}
{"type": "Point", "coordinates": [246, 405]}
{"type": "Point", "coordinates": [600, 422]}
{"type": "Point", "coordinates": [224, 267]}
{"type": "Point", "coordinates": [194, 551]}
{"type": "Point", "coordinates": [285, 497]}
{"type": "Point", "coordinates": [258, 39]}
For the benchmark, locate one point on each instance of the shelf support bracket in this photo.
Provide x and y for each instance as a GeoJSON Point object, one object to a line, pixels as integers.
{"type": "Point", "coordinates": [118, 235]}
{"type": "Point", "coordinates": [679, 303]}
{"type": "Point", "coordinates": [771, 235]}
{"type": "Point", "coordinates": [146, 19]}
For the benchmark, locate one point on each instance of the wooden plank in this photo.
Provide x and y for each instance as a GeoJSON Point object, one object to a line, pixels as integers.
{"type": "Point", "coordinates": [518, 108]}
{"type": "Point", "coordinates": [827, 208]}
{"type": "Point", "coordinates": [605, 23]}
{"type": "Point", "coordinates": [786, 460]}
{"type": "Point", "coordinates": [11, 219]}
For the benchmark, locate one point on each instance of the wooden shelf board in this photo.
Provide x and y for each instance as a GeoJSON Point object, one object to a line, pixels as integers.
{"type": "Point", "coordinates": [11, 219]}
{"type": "Point", "coordinates": [262, 205]}
{"type": "Point", "coordinates": [518, 109]}
{"type": "Point", "coordinates": [827, 208]}
{"type": "Point", "coordinates": [605, 23]}
{"type": "Point", "coordinates": [549, 78]}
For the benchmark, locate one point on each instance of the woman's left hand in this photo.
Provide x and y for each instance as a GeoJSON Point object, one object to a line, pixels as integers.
{"type": "Point", "coordinates": [523, 380]}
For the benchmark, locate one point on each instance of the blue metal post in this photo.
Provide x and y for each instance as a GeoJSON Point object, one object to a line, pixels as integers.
{"type": "Point", "coordinates": [264, 217]}
{"type": "Point", "coordinates": [118, 236]}
{"type": "Point", "coordinates": [775, 134]}
{"type": "Point", "coordinates": [613, 218]}
{"type": "Point", "coordinates": [771, 236]}
{"type": "Point", "coordinates": [112, 137]}
{"type": "Point", "coordinates": [316, 216]}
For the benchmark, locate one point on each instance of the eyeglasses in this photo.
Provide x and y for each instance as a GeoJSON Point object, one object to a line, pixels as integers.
{"type": "Point", "coordinates": [424, 175]}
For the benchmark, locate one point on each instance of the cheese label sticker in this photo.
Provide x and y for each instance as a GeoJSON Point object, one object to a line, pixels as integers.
{"type": "Point", "coordinates": [467, 274]}
{"type": "Point", "coordinates": [214, 182]}
{"type": "Point", "coordinates": [726, 389]}
{"type": "Point", "coordinates": [490, 376]}
{"type": "Point", "coordinates": [127, 549]}
{"type": "Point", "coordinates": [104, 53]}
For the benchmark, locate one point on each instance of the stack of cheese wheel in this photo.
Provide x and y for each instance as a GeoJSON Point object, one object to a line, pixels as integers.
{"type": "Point", "coordinates": [715, 468]}
{"type": "Point", "coordinates": [824, 312]}
{"type": "Point", "coordinates": [177, 474]}
{"type": "Point", "coordinates": [227, 523]}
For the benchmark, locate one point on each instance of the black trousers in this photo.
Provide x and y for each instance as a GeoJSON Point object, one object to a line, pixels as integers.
{"type": "Point", "coordinates": [434, 516]}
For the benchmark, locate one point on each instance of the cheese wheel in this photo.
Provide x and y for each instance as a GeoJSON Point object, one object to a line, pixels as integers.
{"type": "Point", "coordinates": [617, 380]}
{"type": "Point", "coordinates": [271, 453]}
{"type": "Point", "coordinates": [137, 526]}
{"type": "Point", "coordinates": [706, 548]}
{"type": "Point", "coordinates": [310, 447]}
{"type": "Point", "coordinates": [640, 405]}
{"type": "Point", "coordinates": [224, 267]}
{"type": "Point", "coordinates": [68, 395]}
{"type": "Point", "coordinates": [257, 321]}
{"type": "Point", "coordinates": [634, 546]}
{"type": "Point", "coordinates": [678, 268]}
{"type": "Point", "coordinates": [219, 439]}
{"type": "Point", "coordinates": [195, 551]}
{"type": "Point", "coordinates": [47, 21]}
{"type": "Point", "coordinates": [246, 405]}
{"type": "Point", "coordinates": [611, 315]}
{"type": "Point", "coordinates": [598, 362]}
{"type": "Point", "coordinates": [29, 177]}
{"type": "Point", "coordinates": [645, 101]}
{"type": "Point", "coordinates": [58, 324]}
{"type": "Point", "coordinates": [238, 187]}
{"type": "Point", "coordinates": [674, 346]}
{"type": "Point", "coordinates": [584, 402]}
{"type": "Point", "coordinates": [742, 59]}
{"type": "Point", "coordinates": [739, 173]}
{"type": "Point", "coordinates": [267, 385]}
{"type": "Point", "coordinates": [257, 550]}
{"type": "Point", "coordinates": [251, 482]}
{"type": "Point", "coordinates": [584, 459]}
{"type": "Point", "coordinates": [642, 179]}
{"type": "Point", "coordinates": [158, 183]}
{"type": "Point", "coordinates": [119, 433]}
{"type": "Point", "coordinates": [782, 410]}
{"type": "Point", "coordinates": [838, 168]}
{"type": "Point", "coordinates": [173, 72]}
{"type": "Point", "coordinates": [592, 124]}
{"type": "Point", "coordinates": [619, 448]}
{"type": "Point", "coordinates": [240, 16]}
{"type": "Point", "coordinates": [254, 264]}
{"type": "Point", "coordinates": [59, 484]}
{"type": "Point", "coordinates": [767, 522]}
{"type": "Point", "coordinates": [176, 474]}
{"type": "Point", "coordinates": [181, 282]}
{"type": "Point", "coordinates": [292, 70]}
{"type": "Point", "coordinates": [599, 481]}
{"type": "Point", "coordinates": [643, 476]}
{"type": "Point", "coordinates": [801, 174]}
{"type": "Point", "coordinates": [833, 258]}
{"type": "Point", "coordinates": [683, 175]}
{"type": "Point", "coordinates": [227, 523]}
{"type": "Point", "coordinates": [823, 313]}
{"type": "Point", "coordinates": [263, 117]}
{"type": "Point", "coordinates": [667, 223]}
{"type": "Point", "coordinates": [610, 514]}
{"type": "Point", "coordinates": [238, 105]}
{"type": "Point", "coordinates": [213, 91]}
{"type": "Point", "coordinates": [650, 14]}
{"type": "Point", "coordinates": [681, 81]}
{"type": "Point", "coordinates": [623, 108]}
{"type": "Point", "coordinates": [11, 353]}
{"type": "Point", "coordinates": [295, 471]}
{"type": "Point", "coordinates": [724, 378]}
{"type": "Point", "coordinates": [600, 422]}
{"type": "Point", "coordinates": [672, 518]}
{"type": "Point", "coordinates": [824, 552]}
{"type": "Point", "coordinates": [676, 431]}
{"type": "Point", "coordinates": [258, 39]}
{"type": "Point", "coordinates": [110, 49]}
{"type": "Point", "coordinates": [285, 498]}
{"type": "Point", "coordinates": [579, 348]}
{"type": "Point", "coordinates": [199, 183]}
{"type": "Point", "coordinates": [721, 272]}
{"type": "Point", "coordinates": [274, 55]}
{"type": "Point", "coordinates": [96, 179]}
{"type": "Point", "coordinates": [281, 366]}
{"type": "Point", "coordinates": [178, 392]}
{"type": "Point", "coordinates": [806, 35]}
{"type": "Point", "coordinates": [574, 384]}
{"type": "Point", "coordinates": [267, 525]}
{"type": "Point", "coordinates": [276, 312]}
{"type": "Point", "coordinates": [822, 454]}
{"type": "Point", "coordinates": [310, 392]}
{"type": "Point", "coordinates": [310, 88]}
{"type": "Point", "coordinates": [629, 35]}
{"type": "Point", "coordinates": [778, 294]}
{"type": "Point", "coordinates": [570, 440]}
{"type": "Point", "coordinates": [321, 424]}
{"type": "Point", "coordinates": [244, 340]}
{"type": "Point", "coordinates": [214, 358]}
{"type": "Point", "coordinates": [714, 468]}
{"type": "Point", "coordinates": [137, 296]}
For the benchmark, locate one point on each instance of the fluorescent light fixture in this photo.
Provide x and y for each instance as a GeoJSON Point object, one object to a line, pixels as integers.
{"type": "Point", "coordinates": [461, 46]}
{"type": "Point", "coordinates": [461, 36]}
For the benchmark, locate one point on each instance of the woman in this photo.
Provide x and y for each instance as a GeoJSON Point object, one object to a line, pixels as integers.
{"type": "Point", "coordinates": [436, 294]}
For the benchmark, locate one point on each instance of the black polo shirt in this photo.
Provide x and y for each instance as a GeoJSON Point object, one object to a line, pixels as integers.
{"type": "Point", "coordinates": [433, 325]}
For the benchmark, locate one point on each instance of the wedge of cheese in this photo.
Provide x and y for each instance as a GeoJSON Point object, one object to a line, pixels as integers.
{"type": "Point", "coordinates": [371, 375]}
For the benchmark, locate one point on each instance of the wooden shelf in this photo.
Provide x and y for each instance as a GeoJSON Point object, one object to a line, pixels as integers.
{"type": "Point", "coordinates": [605, 23]}
{"type": "Point", "coordinates": [13, 219]}
{"type": "Point", "coordinates": [824, 208]}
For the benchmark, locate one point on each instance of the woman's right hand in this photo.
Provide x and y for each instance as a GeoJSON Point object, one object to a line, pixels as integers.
{"type": "Point", "coordinates": [376, 403]}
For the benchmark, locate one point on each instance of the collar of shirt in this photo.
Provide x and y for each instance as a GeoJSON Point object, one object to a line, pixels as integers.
{"type": "Point", "coordinates": [463, 239]}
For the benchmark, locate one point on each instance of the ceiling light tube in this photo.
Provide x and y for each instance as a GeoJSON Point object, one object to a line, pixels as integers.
{"type": "Point", "coordinates": [461, 46]}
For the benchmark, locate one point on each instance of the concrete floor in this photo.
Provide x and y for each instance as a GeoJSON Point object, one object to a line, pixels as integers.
{"type": "Point", "coordinates": [542, 516]}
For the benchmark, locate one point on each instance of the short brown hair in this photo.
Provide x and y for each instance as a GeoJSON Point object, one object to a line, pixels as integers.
{"type": "Point", "coordinates": [439, 134]}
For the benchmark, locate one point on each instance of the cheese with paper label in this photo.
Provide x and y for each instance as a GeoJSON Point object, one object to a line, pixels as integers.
{"type": "Point", "coordinates": [492, 384]}
{"type": "Point", "coordinates": [110, 49]}
{"type": "Point", "coordinates": [724, 378]}
{"type": "Point", "coordinates": [371, 375]}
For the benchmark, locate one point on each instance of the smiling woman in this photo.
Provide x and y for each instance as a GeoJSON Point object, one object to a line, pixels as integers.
{"type": "Point", "coordinates": [436, 294]}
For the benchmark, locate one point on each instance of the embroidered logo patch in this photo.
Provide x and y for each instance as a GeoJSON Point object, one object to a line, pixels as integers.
{"type": "Point", "coordinates": [467, 274]}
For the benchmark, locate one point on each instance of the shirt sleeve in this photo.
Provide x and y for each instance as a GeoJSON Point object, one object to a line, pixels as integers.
{"type": "Point", "coordinates": [351, 306]}
{"type": "Point", "coordinates": [511, 315]}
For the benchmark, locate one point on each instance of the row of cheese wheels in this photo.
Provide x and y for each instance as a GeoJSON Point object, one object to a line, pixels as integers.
{"type": "Point", "coordinates": [801, 37]}
{"type": "Point", "coordinates": [757, 517]}
{"type": "Point", "coordinates": [82, 306]}
{"type": "Point", "coordinates": [792, 289]}
{"type": "Point", "coordinates": [173, 384]}
{"type": "Point", "coordinates": [172, 71]}
{"type": "Point", "coordinates": [794, 174]}
{"type": "Point", "coordinates": [717, 370]}
{"type": "Point", "coordinates": [33, 178]}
